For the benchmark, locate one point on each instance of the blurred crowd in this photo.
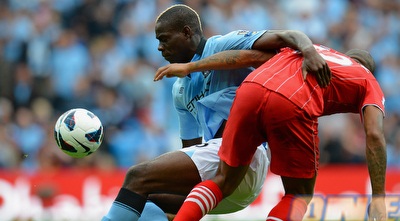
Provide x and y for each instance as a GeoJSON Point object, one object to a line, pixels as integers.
{"type": "Point", "coordinates": [102, 55]}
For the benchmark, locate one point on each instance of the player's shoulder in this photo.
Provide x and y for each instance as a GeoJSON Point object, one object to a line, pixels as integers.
{"type": "Point", "coordinates": [239, 39]}
{"type": "Point", "coordinates": [237, 33]}
{"type": "Point", "coordinates": [245, 33]}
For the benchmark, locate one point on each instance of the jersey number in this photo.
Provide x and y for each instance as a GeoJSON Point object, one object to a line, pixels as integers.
{"type": "Point", "coordinates": [335, 58]}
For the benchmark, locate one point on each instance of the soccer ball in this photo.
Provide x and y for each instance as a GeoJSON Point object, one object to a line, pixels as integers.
{"type": "Point", "coordinates": [78, 132]}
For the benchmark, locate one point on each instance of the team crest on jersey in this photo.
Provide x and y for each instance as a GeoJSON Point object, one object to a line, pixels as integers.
{"type": "Point", "coordinates": [246, 33]}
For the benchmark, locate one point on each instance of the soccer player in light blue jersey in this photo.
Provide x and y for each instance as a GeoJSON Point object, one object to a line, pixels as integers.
{"type": "Point", "coordinates": [203, 101]}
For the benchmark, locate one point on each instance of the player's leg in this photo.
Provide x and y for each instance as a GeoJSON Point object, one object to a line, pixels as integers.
{"type": "Point", "coordinates": [172, 172]}
{"type": "Point", "coordinates": [241, 185]}
{"type": "Point", "coordinates": [249, 188]}
{"type": "Point", "coordinates": [293, 205]}
{"type": "Point", "coordinates": [206, 160]}
{"type": "Point", "coordinates": [169, 203]}
{"type": "Point", "coordinates": [293, 140]}
{"type": "Point", "coordinates": [152, 212]}
{"type": "Point", "coordinates": [240, 140]}
{"type": "Point", "coordinates": [206, 195]}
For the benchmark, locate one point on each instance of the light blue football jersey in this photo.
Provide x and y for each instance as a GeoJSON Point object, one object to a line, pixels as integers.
{"type": "Point", "coordinates": [203, 99]}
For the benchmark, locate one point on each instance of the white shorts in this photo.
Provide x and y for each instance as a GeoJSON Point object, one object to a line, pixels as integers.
{"type": "Point", "coordinates": [205, 157]}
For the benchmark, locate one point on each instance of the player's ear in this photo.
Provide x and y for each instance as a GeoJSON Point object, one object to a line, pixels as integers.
{"type": "Point", "coordinates": [187, 31]}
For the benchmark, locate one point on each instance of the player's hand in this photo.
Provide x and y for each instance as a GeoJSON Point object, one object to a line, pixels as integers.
{"type": "Point", "coordinates": [377, 209]}
{"type": "Point", "coordinates": [172, 70]}
{"type": "Point", "coordinates": [314, 63]}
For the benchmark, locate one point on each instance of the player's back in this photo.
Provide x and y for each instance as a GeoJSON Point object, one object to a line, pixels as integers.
{"type": "Point", "coordinates": [352, 85]}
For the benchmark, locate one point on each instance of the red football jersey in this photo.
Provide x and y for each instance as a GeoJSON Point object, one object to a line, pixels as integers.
{"type": "Point", "coordinates": [352, 86]}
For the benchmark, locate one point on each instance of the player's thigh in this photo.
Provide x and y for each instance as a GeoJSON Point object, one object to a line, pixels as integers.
{"type": "Point", "coordinates": [292, 138]}
{"type": "Point", "coordinates": [173, 172]}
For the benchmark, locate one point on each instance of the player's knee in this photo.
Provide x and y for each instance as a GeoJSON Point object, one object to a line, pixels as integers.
{"type": "Point", "coordinates": [299, 186]}
{"type": "Point", "coordinates": [135, 177]}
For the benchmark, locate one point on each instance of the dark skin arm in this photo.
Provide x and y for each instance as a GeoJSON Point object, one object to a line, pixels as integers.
{"type": "Point", "coordinates": [313, 62]}
{"type": "Point", "coordinates": [376, 160]}
{"type": "Point", "coordinates": [276, 39]}
{"type": "Point", "coordinates": [225, 60]}
{"type": "Point", "coordinates": [267, 43]}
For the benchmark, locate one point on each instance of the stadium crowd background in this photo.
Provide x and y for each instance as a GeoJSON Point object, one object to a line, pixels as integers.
{"type": "Point", "coordinates": [102, 55]}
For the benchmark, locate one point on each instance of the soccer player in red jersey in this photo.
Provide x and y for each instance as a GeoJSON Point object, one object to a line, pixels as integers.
{"type": "Point", "coordinates": [278, 105]}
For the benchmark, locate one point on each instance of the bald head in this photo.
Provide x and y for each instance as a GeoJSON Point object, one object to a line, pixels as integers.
{"type": "Point", "coordinates": [363, 57]}
{"type": "Point", "coordinates": [178, 16]}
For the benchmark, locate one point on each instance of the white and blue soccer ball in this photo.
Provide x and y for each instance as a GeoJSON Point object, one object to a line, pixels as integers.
{"type": "Point", "coordinates": [78, 132]}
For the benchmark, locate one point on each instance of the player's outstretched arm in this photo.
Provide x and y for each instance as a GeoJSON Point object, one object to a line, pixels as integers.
{"type": "Point", "coordinates": [225, 60]}
{"type": "Point", "coordinates": [376, 159]}
{"type": "Point", "coordinates": [313, 62]}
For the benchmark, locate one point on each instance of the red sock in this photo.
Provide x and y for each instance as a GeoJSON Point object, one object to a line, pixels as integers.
{"type": "Point", "coordinates": [204, 197]}
{"type": "Point", "coordinates": [289, 208]}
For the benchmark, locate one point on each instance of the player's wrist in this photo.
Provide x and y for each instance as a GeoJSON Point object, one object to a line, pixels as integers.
{"type": "Point", "coordinates": [196, 66]}
{"type": "Point", "coordinates": [191, 67]}
{"type": "Point", "coordinates": [308, 50]}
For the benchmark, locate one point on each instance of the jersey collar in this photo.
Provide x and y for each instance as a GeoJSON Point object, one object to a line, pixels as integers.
{"type": "Point", "coordinates": [199, 50]}
{"type": "Point", "coordinates": [200, 47]}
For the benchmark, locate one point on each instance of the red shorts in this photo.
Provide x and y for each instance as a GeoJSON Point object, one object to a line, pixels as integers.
{"type": "Point", "coordinates": [259, 115]}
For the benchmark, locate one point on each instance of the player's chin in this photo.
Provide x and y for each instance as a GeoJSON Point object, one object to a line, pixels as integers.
{"type": "Point", "coordinates": [170, 59]}
{"type": "Point", "coordinates": [167, 57]}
